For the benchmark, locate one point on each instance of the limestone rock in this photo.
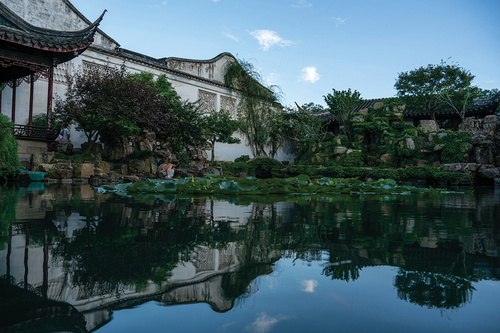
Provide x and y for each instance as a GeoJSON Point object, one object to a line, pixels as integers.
{"type": "Point", "coordinates": [490, 173]}
{"type": "Point", "coordinates": [136, 166]}
{"type": "Point", "coordinates": [428, 126]}
{"type": "Point", "coordinates": [83, 170]}
{"type": "Point", "coordinates": [61, 173]}
{"type": "Point", "coordinates": [339, 150]}
{"type": "Point", "coordinates": [410, 143]}
{"type": "Point", "coordinates": [491, 119]}
{"type": "Point", "coordinates": [46, 167]}
{"type": "Point", "coordinates": [358, 119]}
{"type": "Point", "coordinates": [213, 170]}
{"type": "Point", "coordinates": [442, 135]}
{"type": "Point", "coordinates": [104, 166]}
{"type": "Point", "coordinates": [378, 105]}
{"type": "Point", "coordinates": [385, 158]}
{"type": "Point", "coordinates": [438, 147]}
{"type": "Point", "coordinates": [36, 160]}
{"type": "Point", "coordinates": [64, 147]}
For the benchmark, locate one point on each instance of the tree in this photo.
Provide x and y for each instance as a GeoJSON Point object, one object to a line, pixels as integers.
{"type": "Point", "coordinates": [258, 108]}
{"type": "Point", "coordinates": [298, 123]}
{"type": "Point", "coordinates": [340, 103]}
{"type": "Point", "coordinates": [107, 102]}
{"type": "Point", "coordinates": [219, 127]}
{"type": "Point", "coordinates": [436, 87]}
{"type": "Point", "coordinates": [188, 123]}
{"type": "Point", "coordinates": [9, 159]}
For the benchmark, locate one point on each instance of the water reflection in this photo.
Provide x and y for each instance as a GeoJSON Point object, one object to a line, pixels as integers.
{"type": "Point", "coordinates": [73, 251]}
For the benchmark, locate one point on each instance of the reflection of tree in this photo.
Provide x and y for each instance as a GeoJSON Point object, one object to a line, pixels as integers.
{"type": "Point", "coordinates": [345, 263]}
{"type": "Point", "coordinates": [8, 204]}
{"type": "Point", "coordinates": [435, 277]}
{"type": "Point", "coordinates": [433, 290]}
{"type": "Point", "coordinates": [127, 245]}
{"type": "Point", "coordinates": [238, 285]}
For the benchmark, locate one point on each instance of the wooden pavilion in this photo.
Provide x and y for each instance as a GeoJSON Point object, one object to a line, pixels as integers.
{"type": "Point", "coordinates": [28, 53]}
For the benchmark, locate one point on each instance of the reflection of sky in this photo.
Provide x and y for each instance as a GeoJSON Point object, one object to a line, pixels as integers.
{"type": "Point", "coordinates": [368, 304]}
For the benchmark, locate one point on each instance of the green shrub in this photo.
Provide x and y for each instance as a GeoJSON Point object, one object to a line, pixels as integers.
{"type": "Point", "coordinates": [41, 121]}
{"type": "Point", "coordinates": [9, 159]}
{"type": "Point", "coordinates": [61, 156]}
{"type": "Point", "coordinates": [242, 158]}
{"type": "Point", "coordinates": [81, 158]}
{"type": "Point", "coordinates": [264, 166]}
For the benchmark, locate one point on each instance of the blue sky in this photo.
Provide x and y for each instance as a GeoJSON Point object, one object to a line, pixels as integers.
{"type": "Point", "coordinates": [309, 47]}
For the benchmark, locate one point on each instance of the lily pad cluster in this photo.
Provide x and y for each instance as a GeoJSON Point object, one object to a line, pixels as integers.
{"type": "Point", "coordinates": [302, 184]}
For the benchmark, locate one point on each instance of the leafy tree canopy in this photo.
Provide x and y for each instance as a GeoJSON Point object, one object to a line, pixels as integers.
{"type": "Point", "coordinates": [220, 127]}
{"type": "Point", "coordinates": [437, 87]}
{"type": "Point", "coordinates": [298, 123]}
{"type": "Point", "coordinates": [107, 102]}
{"type": "Point", "coordinates": [340, 103]}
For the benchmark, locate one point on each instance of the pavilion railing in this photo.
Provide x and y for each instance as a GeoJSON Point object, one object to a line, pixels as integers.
{"type": "Point", "coordinates": [35, 132]}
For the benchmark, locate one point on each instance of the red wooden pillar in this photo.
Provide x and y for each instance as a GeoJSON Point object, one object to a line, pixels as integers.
{"type": "Point", "coordinates": [32, 84]}
{"type": "Point", "coordinates": [49, 100]}
{"type": "Point", "coordinates": [13, 115]}
{"type": "Point", "coordinates": [49, 95]}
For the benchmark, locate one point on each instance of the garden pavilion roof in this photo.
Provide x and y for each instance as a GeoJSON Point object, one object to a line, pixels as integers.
{"type": "Point", "coordinates": [26, 49]}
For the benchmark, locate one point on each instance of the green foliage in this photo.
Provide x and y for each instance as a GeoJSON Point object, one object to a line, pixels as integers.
{"type": "Point", "coordinates": [107, 102]}
{"type": "Point", "coordinates": [189, 127]}
{"type": "Point", "coordinates": [340, 103]}
{"type": "Point", "coordinates": [9, 159]}
{"type": "Point", "coordinates": [301, 184]}
{"type": "Point", "coordinates": [81, 158]}
{"type": "Point", "coordinates": [296, 124]}
{"type": "Point", "coordinates": [264, 166]}
{"type": "Point", "coordinates": [219, 127]}
{"type": "Point", "coordinates": [242, 158]}
{"type": "Point", "coordinates": [258, 108]}
{"type": "Point", "coordinates": [40, 120]}
{"type": "Point", "coordinates": [61, 156]}
{"type": "Point", "coordinates": [8, 208]}
{"type": "Point", "coordinates": [434, 87]}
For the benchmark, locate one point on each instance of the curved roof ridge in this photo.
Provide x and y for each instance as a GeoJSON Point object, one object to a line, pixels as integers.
{"type": "Point", "coordinates": [25, 28]}
{"type": "Point", "coordinates": [214, 59]}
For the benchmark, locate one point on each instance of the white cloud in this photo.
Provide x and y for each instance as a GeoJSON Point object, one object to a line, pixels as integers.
{"type": "Point", "coordinates": [301, 4]}
{"type": "Point", "coordinates": [164, 3]}
{"type": "Point", "coordinates": [309, 285]}
{"type": "Point", "coordinates": [271, 79]}
{"type": "Point", "coordinates": [490, 81]}
{"type": "Point", "coordinates": [268, 39]}
{"type": "Point", "coordinates": [339, 21]}
{"type": "Point", "coordinates": [309, 74]}
{"type": "Point", "coordinates": [215, 1]}
{"type": "Point", "coordinates": [228, 35]}
{"type": "Point", "coordinates": [264, 323]}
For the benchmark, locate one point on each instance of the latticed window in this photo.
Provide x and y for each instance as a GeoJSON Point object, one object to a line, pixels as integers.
{"type": "Point", "coordinates": [204, 260]}
{"type": "Point", "coordinates": [89, 65]}
{"type": "Point", "coordinates": [60, 72]}
{"type": "Point", "coordinates": [207, 101]}
{"type": "Point", "coordinates": [226, 258]}
{"type": "Point", "coordinates": [228, 104]}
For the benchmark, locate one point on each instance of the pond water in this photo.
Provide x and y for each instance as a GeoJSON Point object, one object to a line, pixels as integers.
{"type": "Point", "coordinates": [76, 260]}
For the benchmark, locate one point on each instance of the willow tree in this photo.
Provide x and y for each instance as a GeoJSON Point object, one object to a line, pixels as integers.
{"type": "Point", "coordinates": [258, 109]}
